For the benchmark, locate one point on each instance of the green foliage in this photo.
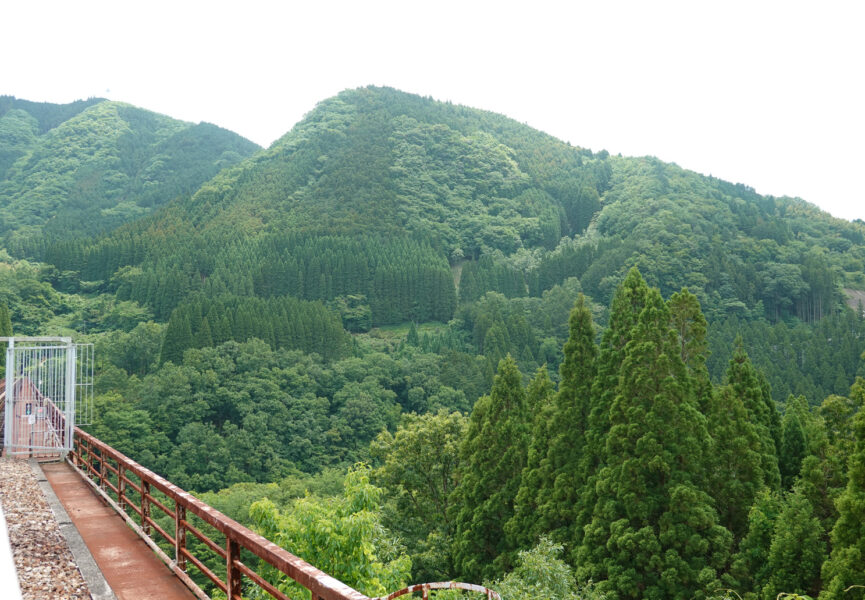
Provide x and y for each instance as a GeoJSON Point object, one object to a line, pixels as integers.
{"type": "Point", "coordinates": [846, 564]}
{"type": "Point", "coordinates": [736, 473]}
{"type": "Point", "coordinates": [244, 412]}
{"type": "Point", "coordinates": [343, 536]}
{"type": "Point", "coordinates": [5, 331]}
{"type": "Point", "coordinates": [492, 457]}
{"type": "Point", "coordinates": [540, 573]}
{"type": "Point", "coordinates": [81, 168]}
{"type": "Point", "coordinates": [419, 470]}
{"type": "Point", "coordinates": [282, 322]}
{"type": "Point", "coordinates": [798, 359]}
{"type": "Point", "coordinates": [654, 531]}
{"type": "Point", "coordinates": [556, 471]}
{"type": "Point", "coordinates": [744, 382]}
{"type": "Point", "coordinates": [29, 296]}
{"type": "Point", "coordinates": [749, 570]}
{"type": "Point", "coordinates": [793, 448]}
{"type": "Point", "coordinates": [524, 527]}
{"type": "Point", "coordinates": [797, 550]}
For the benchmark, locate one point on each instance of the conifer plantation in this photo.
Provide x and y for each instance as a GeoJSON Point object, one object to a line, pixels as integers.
{"type": "Point", "coordinates": [414, 341]}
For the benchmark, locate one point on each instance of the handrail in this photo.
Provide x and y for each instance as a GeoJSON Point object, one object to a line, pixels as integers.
{"type": "Point", "coordinates": [92, 454]}
{"type": "Point", "coordinates": [424, 589]}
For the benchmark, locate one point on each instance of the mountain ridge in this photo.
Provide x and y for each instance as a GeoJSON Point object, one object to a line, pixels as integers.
{"type": "Point", "coordinates": [469, 184]}
{"type": "Point", "coordinates": [91, 165]}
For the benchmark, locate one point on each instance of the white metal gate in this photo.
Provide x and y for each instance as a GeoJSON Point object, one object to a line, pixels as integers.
{"type": "Point", "coordinates": [49, 390]}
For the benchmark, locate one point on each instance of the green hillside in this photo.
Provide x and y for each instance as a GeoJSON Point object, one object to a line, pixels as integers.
{"type": "Point", "coordinates": [82, 168]}
{"type": "Point", "coordinates": [472, 185]}
{"type": "Point", "coordinates": [379, 201]}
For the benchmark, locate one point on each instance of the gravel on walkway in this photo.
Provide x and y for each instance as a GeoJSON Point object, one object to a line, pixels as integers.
{"type": "Point", "coordinates": [46, 569]}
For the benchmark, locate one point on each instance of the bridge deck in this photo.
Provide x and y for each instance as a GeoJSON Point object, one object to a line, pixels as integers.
{"type": "Point", "coordinates": [129, 566]}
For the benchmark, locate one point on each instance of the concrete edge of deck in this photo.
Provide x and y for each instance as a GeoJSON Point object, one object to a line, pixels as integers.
{"type": "Point", "coordinates": [99, 588]}
{"type": "Point", "coordinates": [8, 579]}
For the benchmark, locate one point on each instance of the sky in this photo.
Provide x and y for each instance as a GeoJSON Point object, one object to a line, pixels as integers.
{"type": "Point", "coordinates": [769, 94]}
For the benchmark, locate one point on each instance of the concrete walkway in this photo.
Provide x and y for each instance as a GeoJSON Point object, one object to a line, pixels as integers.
{"type": "Point", "coordinates": [132, 570]}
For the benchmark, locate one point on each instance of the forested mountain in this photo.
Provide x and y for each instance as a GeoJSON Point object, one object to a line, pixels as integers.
{"type": "Point", "coordinates": [470, 185]}
{"type": "Point", "coordinates": [78, 169]}
{"type": "Point", "coordinates": [495, 320]}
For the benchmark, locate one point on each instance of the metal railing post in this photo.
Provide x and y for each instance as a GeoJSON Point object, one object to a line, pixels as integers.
{"type": "Point", "coordinates": [179, 535]}
{"type": "Point", "coordinates": [121, 486]}
{"type": "Point", "coordinates": [102, 471]}
{"type": "Point", "coordinates": [145, 507]}
{"type": "Point", "coordinates": [232, 573]}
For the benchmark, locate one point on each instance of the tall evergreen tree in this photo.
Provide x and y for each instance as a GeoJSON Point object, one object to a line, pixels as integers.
{"type": "Point", "coordinates": [736, 474]}
{"type": "Point", "coordinates": [796, 551]}
{"type": "Point", "coordinates": [744, 380]}
{"type": "Point", "coordinates": [203, 337]}
{"type": "Point", "coordinates": [846, 564]}
{"type": "Point", "coordinates": [690, 326]}
{"type": "Point", "coordinates": [525, 527]}
{"type": "Point", "coordinates": [793, 448]}
{"type": "Point", "coordinates": [412, 339]}
{"type": "Point", "coordinates": [654, 532]}
{"type": "Point", "coordinates": [178, 337]}
{"type": "Point", "coordinates": [749, 569]}
{"type": "Point", "coordinates": [628, 302]}
{"type": "Point", "coordinates": [492, 459]}
{"type": "Point", "coordinates": [568, 459]}
{"type": "Point", "coordinates": [774, 422]}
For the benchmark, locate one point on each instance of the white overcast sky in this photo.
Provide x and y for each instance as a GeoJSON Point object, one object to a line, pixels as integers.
{"type": "Point", "coordinates": [770, 94]}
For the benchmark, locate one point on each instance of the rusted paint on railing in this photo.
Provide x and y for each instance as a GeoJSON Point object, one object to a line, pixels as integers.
{"type": "Point", "coordinates": [424, 589]}
{"type": "Point", "coordinates": [89, 450]}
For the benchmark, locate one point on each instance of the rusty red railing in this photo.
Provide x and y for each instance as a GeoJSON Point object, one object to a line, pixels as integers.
{"type": "Point", "coordinates": [424, 589]}
{"type": "Point", "coordinates": [109, 470]}
{"type": "Point", "coordinates": [132, 489]}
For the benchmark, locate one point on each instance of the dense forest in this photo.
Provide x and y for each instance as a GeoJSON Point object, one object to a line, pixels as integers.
{"type": "Point", "coordinates": [74, 170]}
{"type": "Point", "coordinates": [478, 352]}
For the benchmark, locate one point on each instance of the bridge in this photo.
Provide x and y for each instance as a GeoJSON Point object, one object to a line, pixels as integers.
{"type": "Point", "coordinates": [188, 546]}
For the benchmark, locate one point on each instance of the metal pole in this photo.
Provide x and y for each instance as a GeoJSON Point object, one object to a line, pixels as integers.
{"type": "Point", "coordinates": [10, 392]}
{"type": "Point", "coordinates": [69, 395]}
{"type": "Point", "coordinates": [179, 535]}
{"type": "Point", "coordinates": [232, 573]}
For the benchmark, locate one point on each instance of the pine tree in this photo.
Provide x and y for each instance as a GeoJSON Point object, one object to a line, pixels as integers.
{"type": "Point", "coordinates": [178, 337]}
{"type": "Point", "coordinates": [412, 338]}
{"type": "Point", "coordinates": [567, 458]}
{"type": "Point", "coordinates": [796, 551]}
{"type": "Point", "coordinates": [203, 338]}
{"type": "Point", "coordinates": [690, 326]}
{"type": "Point", "coordinates": [749, 568]}
{"type": "Point", "coordinates": [793, 448]}
{"type": "Point", "coordinates": [771, 410]}
{"type": "Point", "coordinates": [736, 476]}
{"type": "Point", "coordinates": [743, 379]}
{"type": "Point", "coordinates": [492, 459]}
{"type": "Point", "coordinates": [628, 302]}
{"type": "Point", "coordinates": [525, 527]}
{"type": "Point", "coordinates": [846, 564]}
{"type": "Point", "coordinates": [654, 532]}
